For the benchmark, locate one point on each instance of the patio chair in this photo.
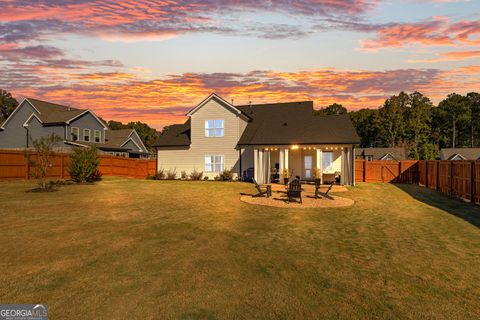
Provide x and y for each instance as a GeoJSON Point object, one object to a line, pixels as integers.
{"type": "Point", "coordinates": [294, 190]}
{"type": "Point", "coordinates": [263, 190]}
{"type": "Point", "coordinates": [319, 194]}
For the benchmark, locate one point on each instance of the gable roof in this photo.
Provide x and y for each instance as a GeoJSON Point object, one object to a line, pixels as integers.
{"type": "Point", "coordinates": [52, 113]}
{"type": "Point", "coordinates": [176, 135]}
{"type": "Point", "coordinates": [121, 137]}
{"type": "Point", "coordinates": [465, 153]}
{"type": "Point", "coordinates": [398, 154]}
{"type": "Point", "coordinates": [295, 123]}
{"type": "Point", "coordinates": [219, 100]}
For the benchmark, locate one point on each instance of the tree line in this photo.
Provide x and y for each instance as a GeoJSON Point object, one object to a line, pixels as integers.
{"type": "Point", "coordinates": [413, 122]}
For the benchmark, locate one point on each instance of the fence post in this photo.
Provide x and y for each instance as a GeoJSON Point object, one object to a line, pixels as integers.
{"type": "Point", "coordinates": [451, 178]}
{"type": "Point", "coordinates": [426, 174]}
{"type": "Point", "coordinates": [27, 168]}
{"type": "Point", "coordinates": [364, 174]}
{"type": "Point", "coordinates": [472, 184]}
{"type": "Point", "coordinates": [61, 167]}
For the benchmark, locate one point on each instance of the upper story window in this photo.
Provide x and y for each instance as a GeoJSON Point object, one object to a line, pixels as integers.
{"type": "Point", "coordinates": [97, 137]}
{"type": "Point", "coordinates": [214, 128]}
{"type": "Point", "coordinates": [75, 133]}
{"type": "Point", "coordinates": [86, 135]}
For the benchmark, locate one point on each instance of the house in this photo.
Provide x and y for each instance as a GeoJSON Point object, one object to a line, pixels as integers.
{"type": "Point", "coordinates": [260, 141]}
{"type": "Point", "coordinates": [370, 154]}
{"type": "Point", "coordinates": [460, 154]}
{"type": "Point", "coordinates": [121, 143]}
{"type": "Point", "coordinates": [34, 118]}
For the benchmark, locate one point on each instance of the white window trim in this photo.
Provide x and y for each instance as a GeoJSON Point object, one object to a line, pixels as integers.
{"type": "Point", "coordinates": [213, 163]}
{"type": "Point", "coordinates": [214, 128]}
{"type": "Point", "coordinates": [89, 135]}
{"type": "Point", "coordinates": [78, 133]}
{"type": "Point", "coordinates": [99, 136]}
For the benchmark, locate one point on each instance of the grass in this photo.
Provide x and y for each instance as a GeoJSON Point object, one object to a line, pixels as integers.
{"type": "Point", "coordinates": [139, 249]}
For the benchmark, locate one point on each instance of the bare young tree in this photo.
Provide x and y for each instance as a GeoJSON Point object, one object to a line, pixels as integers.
{"type": "Point", "coordinates": [41, 161]}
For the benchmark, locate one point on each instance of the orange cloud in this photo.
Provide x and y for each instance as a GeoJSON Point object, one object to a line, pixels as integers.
{"type": "Point", "coordinates": [438, 31]}
{"type": "Point", "coordinates": [450, 56]}
{"type": "Point", "coordinates": [163, 101]}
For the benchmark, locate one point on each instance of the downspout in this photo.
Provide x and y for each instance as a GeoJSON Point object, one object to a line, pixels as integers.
{"type": "Point", "coordinates": [353, 165]}
{"type": "Point", "coordinates": [26, 134]}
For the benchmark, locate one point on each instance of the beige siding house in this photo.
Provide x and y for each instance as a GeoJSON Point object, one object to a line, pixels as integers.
{"type": "Point", "coordinates": [260, 141]}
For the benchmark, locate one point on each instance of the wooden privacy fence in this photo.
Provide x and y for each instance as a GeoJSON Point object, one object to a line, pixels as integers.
{"type": "Point", "coordinates": [459, 179]}
{"type": "Point", "coordinates": [14, 166]}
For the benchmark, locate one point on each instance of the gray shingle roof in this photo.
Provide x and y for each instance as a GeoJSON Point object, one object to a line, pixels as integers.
{"type": "Point", "coordinates": [54, 113]}
{"type": "Point", "coordinates": [295, 123]}
{"type": "Point", "coordinates": [177, 135]}
{"type": "Point", "coordinates": [466, 153]}
{"type": "Point", "coordinates": [278, 123]}
{"type": "Point", "coordinates": [378, 153]}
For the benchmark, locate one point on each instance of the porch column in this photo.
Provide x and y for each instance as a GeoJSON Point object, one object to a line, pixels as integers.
{"type": "Point", "coordinates": [343, 167]}
{"type": "Point", "coordinates": [261, 167]}
{"type": "Point", "coordinates": [286, 158]}
{"type": "Point", "coordinates": [267, 166]}
{"type": "Point", "coordinates": [319, 163]}
{"type": "Point", "coordinates": [255, 164]}
{"type": "Point", "coordinates": [281, 163]}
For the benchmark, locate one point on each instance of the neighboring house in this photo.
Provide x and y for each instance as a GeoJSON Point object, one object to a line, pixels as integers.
{"type": "Point", "coordinates": [260, 139]}
{"type": "Point", "coordinates": [370, 154]}
{"type": "Point", "coordinates": [460, 154]}
{"type": "Point", "coordinates": [121, 143]}
{"type": "Point", "coordinates": [34, 118]}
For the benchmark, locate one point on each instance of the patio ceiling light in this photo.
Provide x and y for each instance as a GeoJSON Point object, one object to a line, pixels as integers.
{"type": "Point", "coordinates": [294, 147]}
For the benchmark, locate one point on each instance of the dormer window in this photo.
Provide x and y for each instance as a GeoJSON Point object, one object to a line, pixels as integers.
{"type": "Point", "coordinates": [214, 128]}
{"type": "Point", "coordinates": [75, 133]}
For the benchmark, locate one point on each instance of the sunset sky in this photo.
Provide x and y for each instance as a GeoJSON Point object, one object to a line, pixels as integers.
{"type": "Point", "coordinates": [154, 60]}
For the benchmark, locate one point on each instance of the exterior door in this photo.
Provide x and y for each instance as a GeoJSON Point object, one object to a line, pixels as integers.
{"type": "Point", "coordinates": [308, 165]}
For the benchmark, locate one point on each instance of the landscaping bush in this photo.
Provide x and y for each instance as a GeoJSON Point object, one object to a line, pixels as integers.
{"type": "Point", "coordinates": [183, 175]}
{"type": "Point", "coordinates": [160, 175]}
{"type": "Point", "coordinates": [171, 174]}
{"type": "Point", "coordinates": [205, 178]}
{"type": "Point", "coordinates": [84, 164]}
{"type": "Point", "coordinates": [225, 175]}
{"type": "Point", "coordinates": [196, 175]}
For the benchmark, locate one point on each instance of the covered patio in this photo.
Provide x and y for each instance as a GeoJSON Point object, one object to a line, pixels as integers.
{"type": "Point", "coordinates": [335, 163]}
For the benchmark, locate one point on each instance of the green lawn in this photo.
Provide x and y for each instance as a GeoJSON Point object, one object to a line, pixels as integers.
{"type": "Point", "coordinates": [138, 249]}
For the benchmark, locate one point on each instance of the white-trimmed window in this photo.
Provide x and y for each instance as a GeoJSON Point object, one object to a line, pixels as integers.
{"type": "Point", "coordinates": [96, 136]}
{"type": "Point", "coordinates": [327, 161]}
{"type": "Point", "coordinates": [214, 163]}
{"type": "Point", "coordinates": [214, 128]}
{"type": "Point", "coordinates": [75, 133]}
{"type": "Point", "coordinates": [86, 135]}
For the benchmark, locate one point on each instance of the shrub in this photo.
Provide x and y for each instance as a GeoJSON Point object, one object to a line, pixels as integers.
{"type": "Point", "coordinates": [225, 175]}
{"type": "Point", "coordinates": [171, 174]}
{"type": "Point", "coordinates": [196, 175]}
{"type": "Point", "coordinates": [205, 178]}
{"type": "Point", "coordinates": [160, 175]}
{"type": "Point", "coordinates": [84, 165]}
{"type": "Point", "coordinates": [183, 175]}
